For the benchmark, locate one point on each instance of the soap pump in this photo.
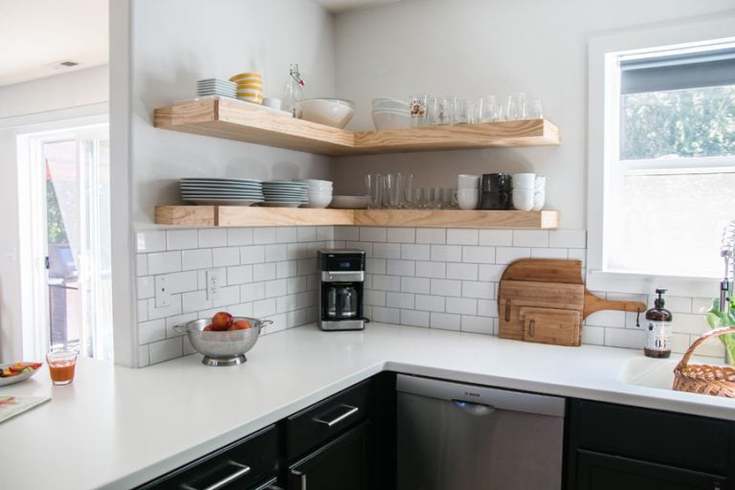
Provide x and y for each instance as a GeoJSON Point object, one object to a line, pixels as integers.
{"type": "Point", "coordinates": [658, 325]}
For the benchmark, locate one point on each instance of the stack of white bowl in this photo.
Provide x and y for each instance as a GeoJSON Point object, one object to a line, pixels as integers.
{"type": "Point", "coordinates": [319, 193]}
{"type": "Point", "coordinates": [525, 189]}
{"type": "Point", "coordinates": [391, 113]}
{"type": "Point", "coordinates": [468, 191]}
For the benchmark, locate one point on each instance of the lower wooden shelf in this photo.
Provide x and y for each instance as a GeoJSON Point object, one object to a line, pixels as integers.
{"type": "Point", "coordinates": [232, 216]}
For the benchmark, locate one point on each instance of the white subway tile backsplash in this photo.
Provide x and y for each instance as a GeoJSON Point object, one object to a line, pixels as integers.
{"type": "Point", "coordinates": [225, 256]}
{"type": "Point", "coordinates": [286, 234]}
{"type": "Point", "coordinates": [194, 301]}
{"type": "Point", "coordinates": [530, 238]}
{"type": "Point", "coordinates": [401, 235]}
{"type": "Point", "coordinates": [212, 237]}
{"type": "Point", "coordinates": [324, 233]}
{"type": "Point", "coordinates": [386, 283]}
{"type": "Point", "coordinates": [306, 234]}
{"type": "Point", "coordinates": [372, 234]}
{"type": "Point", "coordinates": [465, 306]}
{"type": "Point", "coordinates": [431, 235]}
{"type": "Point", "coordinates": [487, 308]}
{"type": "Point", "coordinates": [145, 287]}
{"type": "Point", "coordinates": [164, 262]}
{"type": "Point", "coordinates": [264, 307]}
{"type": "Point", "coordinates": [180, 282]}
{"type": "Point", "coordinates": [506, 255]}
{"type": "Point", "coordinates": [196, 259]}
{"type": "Point", "coordinates": [568, 239]}
{"type": "Point", "coordinates": [415, 318]}
{"type": "Point", "coordinates": [150, 241]}
{"type": "Point", "coordinates": [577, 254]}
{"type": "Point", "coordinates": [166, 350]}
{"type": "Point", "coordinates": [607, 318]}
{"type": "Point", "coordinates": [420, 285]}
{"type": "Point", "coordinates": [151, 331]}
{"type": "Point", "coordinates": [415, 252]}
{"type": "Point", "coordinates": [181, 239]}
{"type": "Point", "coordinates": [275, 253]}
{"type": "Point", "coordinates": [375, 266]}
{"type": "Point", "coordinates": [446, 287]}
{"type": "Point", "coordinates": [400, 300]}
{"type": "Point", "coordinates": [287, 268]}
{"type": "Point", "coordinates": [701, 305]}
{"type": "Point", "coordinates": [253, 254]}
{"type": "Point", "coordinates": [224, 296]}
{"type": "Point", "coordinates": [431, 269]}
{"type": "Point", "coordinates": [445, 321]}
{"type": "Point", "coordinates": [688, 323]}
{"type": "Point", "coordinates": [462, 236]}
{"type": "Point", "coordinates": [429, 303]}
{"type": "Point", "coordinates": [593, 335]}
{"type": "Point", "coordinates": [496, 237]}
{"type": "Point", "coordinates": [347, 233]}
{"type": "Point", "coordinates": [490, 272]}
{"type": "Point", "coordinates": [478, 324]}
{"type": "Point", "coordinates": [459, 270]}
{"type": "Point", "coordinates": [141, 265]}
{"type": "Point", "coordinates": [446, 253]}
{"type": "Point", "coordinates": [387, 250]}
{"type": "Point", "coordinates": [549, 253]}
{"type": "Point", "coordinates": [479, 255]}
{"type": "Point", "coordinates": [386, 315]}
{"type": "Point", "coordinates": [478, 289]}
{"type": "Point", "coordinates": [401, 267]}
{"type": "Point", "coordinates": [239, 236]}
{"type": "Point", "coordinates": [625, 337]}
{"type": "Point", "coordinates": [264, 272]}
{"type": "Point", "coordinates": [264, 235]}
{"type": "Point", "coordinates": [172, 321]}
{"type": "Point", "coordinates": [375, 298]}
{"type": "Point", "coordinates": [155, 311]}
{"type": "Point", "coordinates": [276, 288]}
{"type": "Point", "coordinates": [679, 304]}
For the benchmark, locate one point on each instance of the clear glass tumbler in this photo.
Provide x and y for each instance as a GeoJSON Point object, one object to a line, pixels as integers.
{"type": "Point", "coordinates": [61, 365]}
{"type": "Point", "coordinates": [374, 185]}
{"type": "Point", "coordinates": [418, 110]}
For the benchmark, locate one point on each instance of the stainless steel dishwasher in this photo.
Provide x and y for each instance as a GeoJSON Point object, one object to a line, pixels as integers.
{"type": "Point", "coordinates": [453, 436]}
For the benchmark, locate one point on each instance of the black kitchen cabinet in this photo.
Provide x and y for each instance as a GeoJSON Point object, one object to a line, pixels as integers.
{"type": "Point", "coordinates": [619, 447]}
{"type": "Point", "coordinates": [342, 464]}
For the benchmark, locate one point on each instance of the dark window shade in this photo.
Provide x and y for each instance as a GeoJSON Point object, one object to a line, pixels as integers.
{"type": "Point", "coordinates": [682, 71]}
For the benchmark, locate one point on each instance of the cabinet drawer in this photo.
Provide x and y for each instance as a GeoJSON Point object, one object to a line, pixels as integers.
{"type": "Point", "coordinates": [254, 459]}
{"type": "Point", "coordinates": [312, 426]}
{"type": "Point", "coordinates": [683, 441]}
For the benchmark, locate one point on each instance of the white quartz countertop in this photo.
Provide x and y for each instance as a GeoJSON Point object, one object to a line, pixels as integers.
{"type": "Point", "coordinates": [116, 427]}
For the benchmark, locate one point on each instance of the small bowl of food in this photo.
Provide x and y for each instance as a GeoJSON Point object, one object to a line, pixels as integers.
{"type": "Point", "coordinates": [223, 340]}
{"type": "Point", "coordinates": [17, 372]}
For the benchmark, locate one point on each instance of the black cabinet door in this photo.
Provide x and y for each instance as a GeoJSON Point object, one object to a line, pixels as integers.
{"type": "Point", "coordinates": [604, 472]}
{"type": "Point", "coordinates": [342, 464]}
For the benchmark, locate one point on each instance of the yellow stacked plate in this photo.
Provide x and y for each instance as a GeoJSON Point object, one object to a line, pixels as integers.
{"type": "Point", "coordinates": [249, 86]}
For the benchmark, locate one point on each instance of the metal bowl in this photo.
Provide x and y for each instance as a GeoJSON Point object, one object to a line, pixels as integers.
{"type": "Point", "coordinates": [226, 348]}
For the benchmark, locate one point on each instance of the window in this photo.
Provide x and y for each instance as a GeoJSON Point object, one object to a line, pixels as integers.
{"type": "Point", "coordinates": [668, 182]}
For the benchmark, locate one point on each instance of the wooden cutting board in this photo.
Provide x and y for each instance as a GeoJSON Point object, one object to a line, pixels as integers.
{"type": "Point", "coordinates": [545, 300]}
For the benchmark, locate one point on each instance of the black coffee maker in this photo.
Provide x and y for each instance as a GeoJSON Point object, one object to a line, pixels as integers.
{"type": "Point", "coordinates": [341, 291]}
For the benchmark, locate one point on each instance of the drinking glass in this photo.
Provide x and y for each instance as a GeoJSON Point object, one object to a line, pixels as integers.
{"type": "Point", "coordinates": [61, 365]}
{"type": "Point", "coordinates": [461, 111]}
{"type": "Point", "coordinates": [488, 109]}
{"type": "Point", "coordinates": [407, 191]}
{"type": "Point", "coordinates": [374, 184]}
{"type": "Point", "coordinates": [535, 109]}
{"type": "Point", "coordinates": [516, 107]}
{"type": "Point", "coordinates": [418, 109]}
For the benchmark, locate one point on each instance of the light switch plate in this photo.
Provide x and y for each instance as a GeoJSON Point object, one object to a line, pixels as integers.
{"type": "Point", "coordinates": [163, 296]}
{"type": "Point", "coordinates": [212, 284]}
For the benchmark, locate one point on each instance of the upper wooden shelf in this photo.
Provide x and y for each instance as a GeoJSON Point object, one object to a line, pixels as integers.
{"type": "Point", "coordinates": [243, 121]}
{"type": "Point", "coordinates": [230, 216]}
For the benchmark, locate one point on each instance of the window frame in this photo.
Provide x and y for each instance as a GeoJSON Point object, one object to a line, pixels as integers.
{"type": "Point", "coordinates": [603, 146]}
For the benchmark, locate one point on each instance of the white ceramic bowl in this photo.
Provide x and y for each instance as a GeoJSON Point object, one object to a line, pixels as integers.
{"type": "Point", "coordinates": [319, 200]}
{"type": "Point", "coordinates": [390, 103]}
{"type": "Point", "coordinates": [391, 120]}
{"type": "Point", "coordinates": [330, 112]}
{"type": "Point", "coordinates": [468, 198]}
{"type": "Point", "coordinates": [350, 202]}
{"type": "Point", "coordinates": [523, 199]}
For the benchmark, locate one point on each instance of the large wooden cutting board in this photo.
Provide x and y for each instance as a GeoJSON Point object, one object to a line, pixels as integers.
{"type": "Point", "coordinates": [545, 300]}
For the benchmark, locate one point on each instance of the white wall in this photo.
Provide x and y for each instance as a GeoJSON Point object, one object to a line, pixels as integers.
{"type": "Point", "coordinates": [477, 47]}
{"type": "Point", "coordinates": [22, 106]}
{"type": "Point", "coordinates": [176, 42]}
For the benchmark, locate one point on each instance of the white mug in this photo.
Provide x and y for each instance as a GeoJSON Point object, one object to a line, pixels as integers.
{"type": "Point", "coordinates": [466, 181]}
{"type": "Point", "coordinates": [524, 181]}
{"type": "Point", "coordinates": [523, 199]}
{"type": "Point", "coordinates": [468, 198]}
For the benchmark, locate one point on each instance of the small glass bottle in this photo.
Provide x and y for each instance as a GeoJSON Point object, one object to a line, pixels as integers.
{"type": "Point", "coordinates": [658, 325]}
{"type": "Point", "coordinates": [293, 90]}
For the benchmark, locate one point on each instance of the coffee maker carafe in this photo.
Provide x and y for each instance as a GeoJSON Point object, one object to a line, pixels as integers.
{"type": "Point", "coordinates": [341, 291]}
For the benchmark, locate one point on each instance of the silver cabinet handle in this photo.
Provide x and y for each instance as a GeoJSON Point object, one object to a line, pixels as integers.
{"type": "Point", "coordinates": [241, 471]}
{"type": "Point", "coordinates": [296, 480]}
{"type": "Point", "coordinates": [477, 409]}
{"type": "Point", "coordinates": [329, 423]}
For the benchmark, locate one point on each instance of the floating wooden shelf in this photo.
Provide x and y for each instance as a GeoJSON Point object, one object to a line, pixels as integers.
{"type": "Point", "coordinates": [231, 216]}
{"type": "Point", "coordinates": [243, 121]}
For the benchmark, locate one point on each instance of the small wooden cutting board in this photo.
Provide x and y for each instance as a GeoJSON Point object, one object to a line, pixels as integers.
{"type": "Point", "coordinates": [545, 300]}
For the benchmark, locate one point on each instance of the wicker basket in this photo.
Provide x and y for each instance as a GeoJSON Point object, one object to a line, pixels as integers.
{"type": "Point", "coordinates": [705, 378]}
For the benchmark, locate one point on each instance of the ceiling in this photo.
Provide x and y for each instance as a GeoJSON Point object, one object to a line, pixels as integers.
{"type": "Point", "coordinates": [36, 35]}
{"type": "Point", "coordinates": [344, 5]}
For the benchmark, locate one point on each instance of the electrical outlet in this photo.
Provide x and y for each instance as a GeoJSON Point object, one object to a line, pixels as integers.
{"type": "Point", "coordinates": [163, 296]}
{"type": "Point", "coordinates": [212, 284]}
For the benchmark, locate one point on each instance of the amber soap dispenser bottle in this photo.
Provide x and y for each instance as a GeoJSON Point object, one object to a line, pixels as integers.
{"type": "Point", "coordinates": [658, 326]}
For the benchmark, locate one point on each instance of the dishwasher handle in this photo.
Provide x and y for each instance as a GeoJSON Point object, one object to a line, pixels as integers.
{"type": "Point", "coordinates": [476, 409]}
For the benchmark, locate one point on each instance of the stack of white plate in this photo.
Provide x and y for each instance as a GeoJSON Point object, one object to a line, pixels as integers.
{"type": "Point", "coordinates": [285, 193]}
{"type": "Point", "coordinates": [391, 113]}
{"type": "Point", "coordinates": [237, 192]}
{"type": "Point", "coordinates": [319, 193]}
{"type": "Point", "coordinates": [213, 86]}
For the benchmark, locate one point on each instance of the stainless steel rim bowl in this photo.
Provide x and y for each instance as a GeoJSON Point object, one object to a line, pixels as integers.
{"type": "Point", "coordinates": [222, 348]}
